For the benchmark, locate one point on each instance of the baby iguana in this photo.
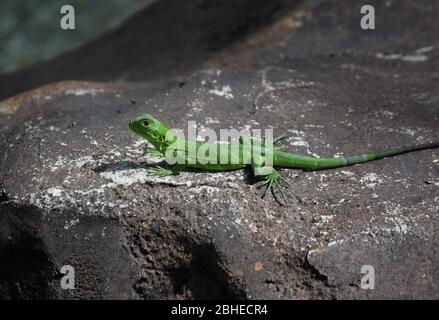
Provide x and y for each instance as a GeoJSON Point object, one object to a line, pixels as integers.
{"type": "Point", "coordinates": [162, 138]}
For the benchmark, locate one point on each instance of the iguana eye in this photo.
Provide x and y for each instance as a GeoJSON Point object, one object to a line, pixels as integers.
{"type": "Point", "coordinates": [146, 123]}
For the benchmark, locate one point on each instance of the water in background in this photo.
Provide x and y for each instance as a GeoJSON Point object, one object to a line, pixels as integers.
{"type": "Point", "coordinates": [30, 30]}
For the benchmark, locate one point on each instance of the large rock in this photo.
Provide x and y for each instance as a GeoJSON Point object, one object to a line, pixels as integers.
{"type": "Point", "coordinates": [173, 38]}
{"type": "Point", "coordinates": [75, 190]}
{"type": "Point", "coordinates": [168, 38]}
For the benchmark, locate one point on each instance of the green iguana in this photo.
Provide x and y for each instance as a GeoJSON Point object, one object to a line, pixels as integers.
{"type": "Point", "coordinates": [161, 137]}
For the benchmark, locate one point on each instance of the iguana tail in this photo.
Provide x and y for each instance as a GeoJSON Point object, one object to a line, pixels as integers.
{"type": "Point", "coordinates": [295, 161]}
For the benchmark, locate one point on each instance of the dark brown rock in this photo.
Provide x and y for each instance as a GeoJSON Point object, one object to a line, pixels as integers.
{"type": "Point", "coordinates": [169, 38]}
{"type": "Point", "coordinates": [75, 189]}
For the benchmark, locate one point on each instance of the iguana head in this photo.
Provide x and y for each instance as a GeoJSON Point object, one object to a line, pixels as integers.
{"type": "Point", "coordinates": [150, 128]}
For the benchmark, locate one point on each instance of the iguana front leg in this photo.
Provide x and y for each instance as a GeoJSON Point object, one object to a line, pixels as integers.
{"type": "Point", "coordinates": [153, 153]}
{"type": "Point", "coordinates": [163, 172]}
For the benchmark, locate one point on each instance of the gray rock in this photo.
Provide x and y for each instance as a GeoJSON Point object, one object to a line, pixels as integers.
{"type": "Point", "coordinates": [75, 190]}
{"type": "Point", "coordinates": [169, 38]}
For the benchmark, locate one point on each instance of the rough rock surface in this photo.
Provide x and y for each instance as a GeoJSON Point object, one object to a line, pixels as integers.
{"type": "Point", "coordinates": [74, 189]}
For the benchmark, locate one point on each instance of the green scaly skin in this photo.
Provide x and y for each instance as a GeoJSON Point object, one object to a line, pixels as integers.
{"type": "Point", "coordinates": [156, 132]}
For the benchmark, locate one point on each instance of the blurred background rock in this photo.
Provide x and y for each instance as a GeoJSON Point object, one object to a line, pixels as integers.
{"type": "Point", "coordinates": [30, 30]}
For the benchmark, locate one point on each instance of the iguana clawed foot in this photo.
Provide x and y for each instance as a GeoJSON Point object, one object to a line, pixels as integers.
{"type": "Point", "coordinates": [164, 172]}
{"type": "Point", "coordinates": [272, 181]}
{"type": "Point", "coordinates": [159, 171]}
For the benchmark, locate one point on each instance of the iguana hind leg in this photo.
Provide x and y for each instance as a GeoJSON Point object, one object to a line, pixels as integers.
{"type": "Point", "coordinates": [249, 141]}
{"type": "Point", "coordinates": [243, 139]}
{"type": "Point", "coordinates": [271, 179]}
{"type": "Point", "coordinates": [281, 137]}
{"type": "Point", "coordinates": [271, 182]}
